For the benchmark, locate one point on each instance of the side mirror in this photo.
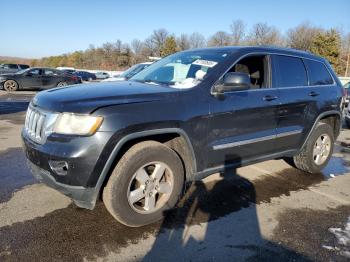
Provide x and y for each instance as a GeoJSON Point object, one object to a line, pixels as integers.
{"type": "Point", "coordinates": [234, 81]}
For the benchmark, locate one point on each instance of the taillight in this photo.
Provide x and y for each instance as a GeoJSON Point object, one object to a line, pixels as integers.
{"type": "Point", "coordinates": [74, 78]}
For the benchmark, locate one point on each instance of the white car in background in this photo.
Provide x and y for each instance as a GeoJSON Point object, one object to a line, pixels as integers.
{"type": "Point", "coordinates": [129, 73]}
{"type": "Point", "coordinates": [102, 75]}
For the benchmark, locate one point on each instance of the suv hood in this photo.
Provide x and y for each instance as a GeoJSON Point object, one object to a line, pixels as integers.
{"type": "Point", "coordinates": [86, 98]}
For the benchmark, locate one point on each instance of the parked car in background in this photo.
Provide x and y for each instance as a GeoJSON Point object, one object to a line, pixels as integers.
{"type": "Point", "coordinates": [347, 93]}
{"type": "Point", "coordinates": [37, 77]}
{"type": "Point", "coordinates": [129, 73]}
{"type": "Point", "coordinates": [12, 68]}
{"type": "Point", "coordinates": [102, 75]}
{"type": "Point", "coordinates": [85, 76]}
{"type": "Point", "coordinates": [69, 71]}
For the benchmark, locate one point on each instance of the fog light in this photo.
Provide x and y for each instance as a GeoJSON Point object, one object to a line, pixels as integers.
{"type": "Point", "coordinates": [59, 167]}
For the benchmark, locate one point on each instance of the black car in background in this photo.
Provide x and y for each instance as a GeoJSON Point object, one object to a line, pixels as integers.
{"type": "Point", "coordinates": [42, 78]}
{"type": "Point", "coordinates": [85, 76]}
{"type": "Point", "coordinates": [12, 68]}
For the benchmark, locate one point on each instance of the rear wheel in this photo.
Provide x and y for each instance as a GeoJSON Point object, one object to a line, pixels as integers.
{"type": "Point", "coordinates": [10, 85]}
{"type": "Point", "coordinates": [317, 151]}
{"type": "Point", "coordinates": [60, 84]}
{"type": "Point", "coordinates": [147, 181]}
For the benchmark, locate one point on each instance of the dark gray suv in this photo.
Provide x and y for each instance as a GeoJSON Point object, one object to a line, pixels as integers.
{"type": "Point", "coordinates": [12, 68]}
{"type": "Point", "coordinates": [194, 113]}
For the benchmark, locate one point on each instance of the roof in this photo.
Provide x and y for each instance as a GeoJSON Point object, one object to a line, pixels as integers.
{"type": "Point", "coordinates": [262, 48]}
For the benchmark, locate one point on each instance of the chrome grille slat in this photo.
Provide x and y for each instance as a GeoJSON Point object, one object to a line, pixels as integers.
{"type": "Point", "coordinates": [31, 121]}
{"type": "Point", "coordinates": [35, 121]}
{"type": "Point", "coordinates": [39, 126]}
{"type": "Point", "coordinates": [34, 124]}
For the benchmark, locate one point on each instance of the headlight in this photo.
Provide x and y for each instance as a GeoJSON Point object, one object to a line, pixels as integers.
{"type": "Point", "coordinates": [73, 124]}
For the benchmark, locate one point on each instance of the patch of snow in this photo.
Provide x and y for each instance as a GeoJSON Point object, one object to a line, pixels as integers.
{"type": "Point", "coordinates": [343, 239]}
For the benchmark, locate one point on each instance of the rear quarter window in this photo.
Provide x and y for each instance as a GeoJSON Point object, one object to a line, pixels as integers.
{"type": "Point", "coordinates": [318, 73]}
{"type": "Point", "coordinates": [289, 71]}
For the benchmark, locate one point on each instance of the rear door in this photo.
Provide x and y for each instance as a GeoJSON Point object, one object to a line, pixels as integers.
{"type": "Point", "coordinates": [290, 78]}
{"type": "Point", "coordinates": [50, 77]}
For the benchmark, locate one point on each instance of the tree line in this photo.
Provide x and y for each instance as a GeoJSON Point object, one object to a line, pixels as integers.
{"type": "Point", "coordinates": [333, 44]}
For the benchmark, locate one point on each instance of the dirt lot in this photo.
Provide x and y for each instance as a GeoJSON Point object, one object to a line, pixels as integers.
{"type": "Point", "coordinates": [263, 212]}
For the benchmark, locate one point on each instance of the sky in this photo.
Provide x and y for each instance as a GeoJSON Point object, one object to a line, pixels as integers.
{"type": "Point", "coordinates": [39, 28]}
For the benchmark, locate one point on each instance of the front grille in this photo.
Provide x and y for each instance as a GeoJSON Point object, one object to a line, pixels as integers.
{"type": "Point", "coordinates": [34, 124]}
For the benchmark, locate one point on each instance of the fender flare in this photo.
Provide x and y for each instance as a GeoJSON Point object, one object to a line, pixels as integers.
{"type": "Point", "coordinates": [131, 136]}
{"type": "Point", "coordinates": [322, 115]}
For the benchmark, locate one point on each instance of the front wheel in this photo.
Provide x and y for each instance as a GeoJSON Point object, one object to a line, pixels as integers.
{"type": "Point", "coordinates": [10, 85]}
{"type": "Point", "coordinates": [147, 181]}
{"type": "Point", "coordinates": [318, 150]}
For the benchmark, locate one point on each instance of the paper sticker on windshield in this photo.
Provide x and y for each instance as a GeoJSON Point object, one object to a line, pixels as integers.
{"type": "Point", "coordinates": [206, 63]}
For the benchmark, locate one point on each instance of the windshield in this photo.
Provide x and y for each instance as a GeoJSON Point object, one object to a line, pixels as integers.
{"type": "Point", "coordinates": [133, 70]}
{"type": "Point", "coordinates": [181, 70]}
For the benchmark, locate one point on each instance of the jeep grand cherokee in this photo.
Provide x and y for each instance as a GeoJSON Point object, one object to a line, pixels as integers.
{"type": "Point", "coordinates": [194, 113]}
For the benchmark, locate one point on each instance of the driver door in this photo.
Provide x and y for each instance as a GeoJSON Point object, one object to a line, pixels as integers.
{"type": "Point", "coordinates": [243, 123]}
{"type": "Point", "coordinates": [32, 78]}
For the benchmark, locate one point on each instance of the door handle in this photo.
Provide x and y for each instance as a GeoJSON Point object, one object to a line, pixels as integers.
{"type": "Point", "coordinates": [270, 98]}
{"type": "Point", "coordinates": [313, 93]}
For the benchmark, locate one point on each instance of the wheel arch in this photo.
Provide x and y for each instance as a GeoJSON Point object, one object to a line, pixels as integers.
{"type": "Point", "coordinates": [175, 138]}
{"type": "Point", "coordinates": [16, 80]}
{"type": "Point", "coordinates": [333, 118]}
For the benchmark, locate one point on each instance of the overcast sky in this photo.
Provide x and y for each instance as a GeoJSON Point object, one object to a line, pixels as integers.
{"type": "Point", "coordinates": [38, 28]}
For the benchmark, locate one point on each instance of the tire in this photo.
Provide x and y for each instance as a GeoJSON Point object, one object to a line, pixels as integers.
{"type": "Point", "coordinates": [10, 86]}
{"type": "Point", "coordinates": [117, 195]}
{"type": "Point", "coordinates": [289, 161]}
{"type": "Point", "coordinates": [60, 84]}
{"type": "Point", "coordinates": [305, 160]}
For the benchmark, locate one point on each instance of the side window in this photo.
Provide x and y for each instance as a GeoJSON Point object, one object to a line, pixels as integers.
{"type": "Point", "coordinates": [35, 71]}
{"type": "Point", "coordinates": [6, 66]}
{"type": "Point", "coordinates": [289, 71]}
{"type": "Point", "coordinates": [255, 67]}
{"type": "Point", "coordinates": [13, 66]}
{"type": "Point", "coordinates": [318, 73]}
{"type": "Point", "coordinates": [24, 66]}
{"type": "Point", "coordinates": [49, 72]}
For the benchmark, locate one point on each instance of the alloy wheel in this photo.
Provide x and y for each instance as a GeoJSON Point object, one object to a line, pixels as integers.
{"type": "Point", "coordinates": [150, 187]}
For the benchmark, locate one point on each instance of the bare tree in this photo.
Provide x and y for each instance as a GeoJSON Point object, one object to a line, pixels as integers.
{"type": "Point", "coordinates": [220, 38]}
{"type": "Point", "coordinates": [301, 37]}
{"type": "Point", "coordinates": [263, 34]}
{"type": "Point", "coordinates": [238, 32]}
{"type": "Point", "coordinates": [197, 40]}
{"type": "Point", "coordinates": [158, 38]}
{"type": "Point", "coordinates": [183, 42]}
{"type": "Point", "coordinates": [137, 46]}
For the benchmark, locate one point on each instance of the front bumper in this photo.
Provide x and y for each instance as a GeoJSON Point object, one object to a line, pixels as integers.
{"type": "Point", "coordinates": [82, 197]}
{"type": "Point", "coordinates": [85, 161]}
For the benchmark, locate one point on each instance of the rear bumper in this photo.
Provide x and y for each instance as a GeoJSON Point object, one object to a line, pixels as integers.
{"type": "Point", "coordinates": [82, 197]}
